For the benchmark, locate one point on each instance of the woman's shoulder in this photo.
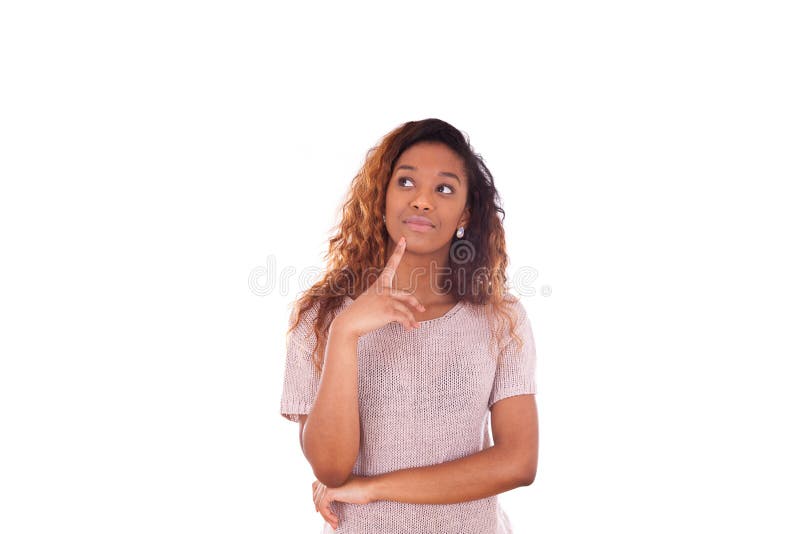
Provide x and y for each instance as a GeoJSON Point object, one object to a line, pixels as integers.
{"type": "Point", "coordinates": [515, 304]}
{"type": "Point", "coordinates": [307, 315]}
{"type": "Point", "coordinates": [310, 315]}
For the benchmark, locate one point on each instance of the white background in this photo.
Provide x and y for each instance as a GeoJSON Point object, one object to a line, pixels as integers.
{"type": "Point", "coordinates": [155, 154]}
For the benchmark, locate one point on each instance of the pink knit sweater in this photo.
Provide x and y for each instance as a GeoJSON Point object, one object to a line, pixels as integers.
{"type": "Point", "coordinates": [424, 399]}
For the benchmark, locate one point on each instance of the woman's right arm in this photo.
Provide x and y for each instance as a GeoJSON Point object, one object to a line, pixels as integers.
{"type": "Point", "coordinates": [330, 434]}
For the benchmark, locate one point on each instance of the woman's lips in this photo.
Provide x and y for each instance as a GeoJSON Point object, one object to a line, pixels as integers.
{"type": "Point", "coordinates": [419, 227]}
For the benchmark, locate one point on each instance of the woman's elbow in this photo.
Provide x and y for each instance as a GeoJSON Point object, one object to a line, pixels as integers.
{"type": "Point", "coordinates": [526, 470]}
{"type": "Point", "coordinates": [528, 478]}
{"type": "Point", "coordinates": [332, 479]}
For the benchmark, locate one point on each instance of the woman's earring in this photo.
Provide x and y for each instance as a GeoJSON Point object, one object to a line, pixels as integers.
{"type": "Point", "coordinates": [384, 219]}
{"type": "Point", "coordinates": [460, 232]}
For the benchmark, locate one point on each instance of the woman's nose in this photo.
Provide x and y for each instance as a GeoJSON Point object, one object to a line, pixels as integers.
{"type": "Point", "coordinates": [422, 202]}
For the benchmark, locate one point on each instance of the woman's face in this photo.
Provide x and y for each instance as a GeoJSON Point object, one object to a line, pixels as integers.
{"type": "Point", "coordinates": [428, 181]}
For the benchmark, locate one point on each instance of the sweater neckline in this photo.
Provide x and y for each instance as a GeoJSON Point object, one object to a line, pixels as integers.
{"type": "Point", "coordinates": [449, 313]}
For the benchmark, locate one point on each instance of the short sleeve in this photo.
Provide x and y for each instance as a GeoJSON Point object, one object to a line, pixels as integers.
{"type": "Point", "coordinates": [516, 369]}
{"type": "Point", "coordinates": [300, 378]}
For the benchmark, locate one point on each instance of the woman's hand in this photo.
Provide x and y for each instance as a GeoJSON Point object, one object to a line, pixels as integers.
{"type": "Point", "coordinates": [356, 490]}
{"type": "Point", "coordinates": [380, 303]}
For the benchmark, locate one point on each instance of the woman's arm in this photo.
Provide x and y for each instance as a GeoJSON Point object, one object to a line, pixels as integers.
{"type": "Point", "coordinates": [331, 434]}
{"type": "Point", "coordinates": [510, 463]}
{"type": "Point", "coordinates": [332, 431]}
{"type": "Point", "coordinates": [489, 472]}
{"type": "Point", "coordinates": [486, 473]}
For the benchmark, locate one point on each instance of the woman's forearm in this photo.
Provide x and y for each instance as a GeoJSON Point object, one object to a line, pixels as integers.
{"type": "Point", "coordinates": [331, 434]}
{"type": "Point", "coordinates": [489, 472]}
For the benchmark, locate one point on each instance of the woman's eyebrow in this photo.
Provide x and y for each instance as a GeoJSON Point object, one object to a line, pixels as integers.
{"type": "Point", "coordinates": [443, 173]}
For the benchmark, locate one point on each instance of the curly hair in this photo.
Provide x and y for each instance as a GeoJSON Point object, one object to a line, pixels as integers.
{"type": "Point", "coordinates": [360, 242]}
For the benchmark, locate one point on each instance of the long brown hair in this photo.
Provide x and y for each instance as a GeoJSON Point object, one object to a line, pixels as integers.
{"type": "Point", "coordinates": [358, 251]}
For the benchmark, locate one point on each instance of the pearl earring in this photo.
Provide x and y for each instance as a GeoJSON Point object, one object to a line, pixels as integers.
{"type": "Point", "coordinates": [460, 232]}
{"type": "Point", "coordinates": [384, 219]}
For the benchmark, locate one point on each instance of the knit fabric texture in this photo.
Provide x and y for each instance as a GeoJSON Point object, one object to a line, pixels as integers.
{"type": "Point", "coordinates": [424, 398]}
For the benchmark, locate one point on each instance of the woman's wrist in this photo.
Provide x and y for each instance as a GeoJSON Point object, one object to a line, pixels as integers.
{"type": "Point", "coordinates": [340, 330]}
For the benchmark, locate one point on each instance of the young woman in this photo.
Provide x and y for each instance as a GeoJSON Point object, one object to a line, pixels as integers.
{"type": "Point", "coordinates": [406, 349]}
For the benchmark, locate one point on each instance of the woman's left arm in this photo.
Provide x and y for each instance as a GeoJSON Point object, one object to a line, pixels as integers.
{"type": "Point", "coordinates": [483, 474]}
{"type": "Point", "coordinates": [510, 463]}
{"type": "Point", "coordinates": [488, 472]}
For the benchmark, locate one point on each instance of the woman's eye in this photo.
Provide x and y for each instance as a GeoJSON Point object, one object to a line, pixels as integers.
{"type": "Point", "coordinates": [402, 178]}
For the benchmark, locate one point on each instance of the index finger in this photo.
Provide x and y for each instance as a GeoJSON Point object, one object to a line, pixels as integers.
{"type": "Point", "coordinates": [391, 266]}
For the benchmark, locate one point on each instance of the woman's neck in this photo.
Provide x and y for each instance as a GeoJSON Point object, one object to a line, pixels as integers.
{"type": "Point", "coordinates": [425, 280]}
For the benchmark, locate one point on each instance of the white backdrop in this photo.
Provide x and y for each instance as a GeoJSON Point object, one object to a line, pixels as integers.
{"type": "Point", "coordinates": [155, 155]}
